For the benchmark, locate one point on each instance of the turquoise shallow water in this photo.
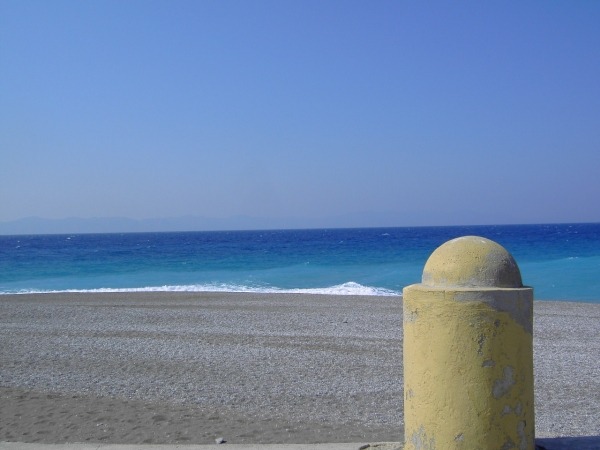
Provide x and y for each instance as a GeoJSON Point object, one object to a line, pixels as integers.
{"type": "Point", "coordinates": [559, 261]}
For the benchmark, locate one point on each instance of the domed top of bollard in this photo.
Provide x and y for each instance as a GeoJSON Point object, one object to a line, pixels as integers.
{"type": "Point", "coordinates": [471, 262]}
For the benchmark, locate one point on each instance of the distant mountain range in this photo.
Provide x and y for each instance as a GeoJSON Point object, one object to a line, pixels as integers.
{"type": "Point", "coordinates": [38, 225]}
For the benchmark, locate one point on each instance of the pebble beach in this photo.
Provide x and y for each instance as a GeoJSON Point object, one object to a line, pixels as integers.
{"type": "Point", "coordinates": [190, 368]}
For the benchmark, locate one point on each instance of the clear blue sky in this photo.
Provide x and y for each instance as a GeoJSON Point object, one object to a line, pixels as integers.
{"type": "Point", "coordinates": [430, 112]}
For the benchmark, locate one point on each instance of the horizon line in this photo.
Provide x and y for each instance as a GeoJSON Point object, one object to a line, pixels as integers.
{"type": "Point", "coordinates": [258, 229]}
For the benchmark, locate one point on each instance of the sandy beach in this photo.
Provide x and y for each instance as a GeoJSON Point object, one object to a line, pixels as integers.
{"type": "Point", "coordinates": [187, 368]}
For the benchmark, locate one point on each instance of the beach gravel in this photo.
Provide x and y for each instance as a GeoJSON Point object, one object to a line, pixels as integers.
{"type": "Point", "coordinates": [246, 368]}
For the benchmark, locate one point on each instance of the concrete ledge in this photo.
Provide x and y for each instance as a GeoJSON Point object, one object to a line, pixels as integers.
{"type": "Point", "coordinates": [78, 446]}
{"type": "Point", "coordinates": [544, 443]}
{"type": "Point", "coordinates": [225, 446]}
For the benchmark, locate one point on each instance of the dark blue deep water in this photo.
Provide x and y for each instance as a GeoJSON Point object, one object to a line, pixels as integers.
{"type": "Point", "coordinates": [561, 262]}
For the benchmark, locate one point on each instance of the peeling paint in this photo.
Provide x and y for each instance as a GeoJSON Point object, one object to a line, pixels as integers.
{"type": "Point", "coordinates": [519, 409]}
{"type": "Point", "coordinates": [523, 437]}
{"type": "Point", "coordinates": [504, 385]}
{"type": "Point", "coordinates": [410, 316]}
{"type": "Point", "coordinates": [480, 342]}
{"type": "Point", "coordinates": [421, 441]}
{"type": "Point", "coordinates": [503, 300]}
{"type": "Point", "coordinates": [508, 445]}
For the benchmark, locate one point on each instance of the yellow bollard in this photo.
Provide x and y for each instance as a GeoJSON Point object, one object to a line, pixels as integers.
{"type": "Point", "coordinates": [468, 351]}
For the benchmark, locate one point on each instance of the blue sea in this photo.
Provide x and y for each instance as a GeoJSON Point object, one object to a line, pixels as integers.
{"type": "Point", "coordinates": [561, 262]}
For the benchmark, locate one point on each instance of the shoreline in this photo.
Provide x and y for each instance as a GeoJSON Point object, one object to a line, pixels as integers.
{"type": "Point", "coordinates": [188, 367]}
{"type": "Point", "coordinates": [324, 292]}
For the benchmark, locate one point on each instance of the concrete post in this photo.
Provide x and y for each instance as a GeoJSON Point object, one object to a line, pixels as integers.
{"type": "Point", "coordinates": [468, 351]}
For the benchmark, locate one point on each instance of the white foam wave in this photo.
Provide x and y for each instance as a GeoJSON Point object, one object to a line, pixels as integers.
{"type": "Point", "coordinates": [349, 288]}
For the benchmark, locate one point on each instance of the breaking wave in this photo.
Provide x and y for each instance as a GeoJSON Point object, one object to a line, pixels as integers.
{"type": "Point", "coordinates": [349, 288]}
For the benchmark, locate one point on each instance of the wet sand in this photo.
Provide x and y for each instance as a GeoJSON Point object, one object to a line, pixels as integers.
{"type": "Point", "coordinates": [187, 368]}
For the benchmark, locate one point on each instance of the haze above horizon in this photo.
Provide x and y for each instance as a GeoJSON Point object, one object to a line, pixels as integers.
{"type": "Point", "coordinates": [307, 112]}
